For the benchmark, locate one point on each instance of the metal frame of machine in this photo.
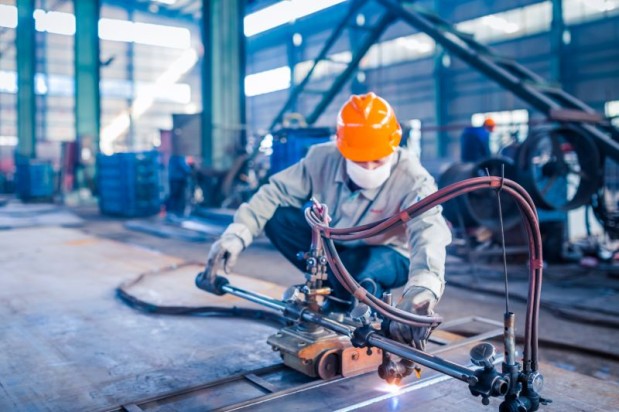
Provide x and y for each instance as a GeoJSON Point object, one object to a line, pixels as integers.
{"type": "Point", "coordinates": [519, 384]}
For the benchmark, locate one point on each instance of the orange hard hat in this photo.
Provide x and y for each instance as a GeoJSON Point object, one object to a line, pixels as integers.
{"type": "Point", "coordinates": [367, 128]}
{"type": "Point", "coordinates": [489, 122]}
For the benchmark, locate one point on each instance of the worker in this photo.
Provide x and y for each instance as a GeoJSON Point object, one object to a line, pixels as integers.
{"type": "Point", "coordinates": [475, 142]}
{"type": "Point", "coordinates": [179, 174]}
{"type": "Point", "coordinates": [362, 177]}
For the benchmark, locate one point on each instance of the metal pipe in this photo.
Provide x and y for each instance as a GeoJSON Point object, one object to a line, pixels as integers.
{"type": "Point", "coordinates": [509, 338]}
{"type": "Point", "coordinates": [281, 306]}
{"type": "Point", "coordinates": [255, 297]}
{"type": "Point", "coordinates": [327, 323]}
{"type": "Point", "coordinates": [433, 362]}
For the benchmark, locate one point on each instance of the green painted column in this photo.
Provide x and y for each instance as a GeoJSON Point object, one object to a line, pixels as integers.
{"type": "Point", "coordinates": [87, 98]}
{"type": "Point", "coordinates": [26, 62]}
{"type": "Point", "coordinates": [223, 80]}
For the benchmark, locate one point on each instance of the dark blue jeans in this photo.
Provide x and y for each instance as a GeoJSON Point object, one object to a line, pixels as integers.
{"type": "Point", "coordinates": [377, 268]}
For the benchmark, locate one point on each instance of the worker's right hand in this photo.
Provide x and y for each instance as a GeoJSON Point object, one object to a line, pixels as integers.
{"type": "Point", "coordinates": [226, 250]}
{"type": "Point", "coordinates": [420, 301]}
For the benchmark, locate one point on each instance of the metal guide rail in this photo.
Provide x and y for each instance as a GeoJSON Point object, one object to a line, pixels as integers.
{"type": "Point", "coordinates": [277, 384]}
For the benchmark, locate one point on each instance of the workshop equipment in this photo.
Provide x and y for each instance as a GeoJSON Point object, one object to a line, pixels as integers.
{"type": "Point", "coordinates": [129, 184]}
{"type": "Point", "coordinates": [559, 166]}
{"type": "Point", "coordinates": [477, 208]}
{"type": "Point", "coordinates": [34, 179]}
{"type": "Point", "coordinates": [519, 383]}
{"type": "Point", "coordinates": [290, 145]}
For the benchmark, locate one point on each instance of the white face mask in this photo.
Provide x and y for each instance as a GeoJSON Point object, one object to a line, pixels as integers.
{"type": "Point", "coordinates": [368, 178]}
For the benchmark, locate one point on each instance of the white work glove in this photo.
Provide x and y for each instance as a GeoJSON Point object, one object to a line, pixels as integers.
{"type": "Point", "coordinates": [225, 251]}
{"type": "Point", "coordinates": [420, 301]}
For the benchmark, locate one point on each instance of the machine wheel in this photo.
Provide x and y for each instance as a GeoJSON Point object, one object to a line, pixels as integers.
{"type": "Point", "coordinates": [559, 167]}
{"type": "Point", "coordinates": [480, 208]}
{"type": "Point", "coordinates": [328, 364]}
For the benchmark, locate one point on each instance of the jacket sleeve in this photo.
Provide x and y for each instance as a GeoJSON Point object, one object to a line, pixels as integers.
{"type": "Point", "coordinates": [428, 236]}
{"type": "Point", "coordinates": [290, 187]}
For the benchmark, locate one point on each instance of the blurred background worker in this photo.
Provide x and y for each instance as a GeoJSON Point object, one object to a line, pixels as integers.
{"type": "Point", "coordinates": [475, 142]}
{"type": "Point", "coordinates": [179, 175]}
{"type": "Point", "coordinates": [362, 177]}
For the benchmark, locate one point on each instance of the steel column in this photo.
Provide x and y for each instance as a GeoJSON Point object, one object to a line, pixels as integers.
{"type": "Point", "coordinates": [26, 62]}
{"type": "Point", "coordinates": [440, 102]}
{"type": "Point", "coordinates": [87, 97]}
{"type": "Point", "coordinates": [557, 29]}
{"type": "Point", "coordinates": [355, 33]}
{"type": "Point", "coordinates": [295, 56]}
{"type": "Point", "coordinates": [223, 79]}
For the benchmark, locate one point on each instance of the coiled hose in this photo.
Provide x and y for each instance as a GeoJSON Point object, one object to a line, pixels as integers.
{"type": "Point", "coordinates": [317, 217]}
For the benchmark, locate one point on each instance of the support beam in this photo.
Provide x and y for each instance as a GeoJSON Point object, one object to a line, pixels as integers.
{"type": "Point", "coordinates": [358, 83]}
{"type": "Point", "coordinates": [87, 98]}
{"type": "Point", "coordinates": [440, 101]}
{"type": "Point", "coordinates": [295, 56]}
{"type": "Point", "coordinates": [223, 79]}
{"type": "Point", "coordinates": [26, 62]}
{"type": "Point", "coordinates": [557, 30]}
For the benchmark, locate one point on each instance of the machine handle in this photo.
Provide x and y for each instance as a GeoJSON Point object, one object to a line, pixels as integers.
{"type": "Point", "coordinates": [208, 279]}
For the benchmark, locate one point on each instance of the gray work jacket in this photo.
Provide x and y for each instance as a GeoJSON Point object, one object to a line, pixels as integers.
{"type": "Point", "coordinates": [322, 174]}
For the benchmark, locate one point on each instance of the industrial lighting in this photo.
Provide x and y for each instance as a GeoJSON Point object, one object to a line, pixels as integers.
{"type": "Point", "coordinates": [145, 100]}
{"type": "Point", "coordinates": [8, 82]}
{"type": "Point", "coordinates": [602, 5]}
{"type": "Point", "coordinates": [54, 22]}
{"type": "Point", "coordinates": [8, 16]}
{"type": "Point", "coordinates": [360, 20]}
{"type": "Point", "coordinates": [297, 39]}
{"type": "Point", "coordinates": [143, 33]}
{"type": "Point", "coordinates": [267, 81]}
{"type": "Point", "coordinates": [499, 23]}
{"type": "Point", "coordinates": [40, 84]}
{"type": "Point", "coordinates": [8, 140]}
{"type": "Point", "coordinates": [282, 13]}
{"type": "Point", "coordinates": [410, 42]}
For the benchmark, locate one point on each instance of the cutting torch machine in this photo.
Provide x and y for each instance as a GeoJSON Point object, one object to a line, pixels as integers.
{"type": "Point", "coordinates": [325, 345]}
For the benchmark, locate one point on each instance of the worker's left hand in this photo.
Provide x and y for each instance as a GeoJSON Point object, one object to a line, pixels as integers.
{"type": "Point", "coordinates": [226, 250]}
{"type": "Point", "coordinates": [420, 301]}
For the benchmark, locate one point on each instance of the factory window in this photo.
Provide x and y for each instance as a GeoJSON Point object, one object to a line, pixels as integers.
{"type": "Point", "coordinates": [512, 127]}
{"type": "Point", "coordinates": [413, 141]}
{"type": "Point", "coordinates": [58, 85]}
{"type": "Point", "coordinates": [579, 11]}
{"type": "Point", "coordinates": [326, 68]}
{"type": "Point", "coordinates": [143, 33]}
{"type": "Point", "coordinates": [283, 12]}
{"type": "Point", "coordinates": [63, 23]}
{"type": "Point", "coordinates": [510, 24]}
{"type": "Point", "coordinates": [141, 85]}
{"type": "Point", "coordinates": [398, 50]}
{"type": "Point", "coordinates": [611, 110]}
{"type": "Point", "coordinates": [8, 85]}
{"type": "Point", "coordinates": [267, 81]}
{"type": "Point", "coordinates": [8, 16]}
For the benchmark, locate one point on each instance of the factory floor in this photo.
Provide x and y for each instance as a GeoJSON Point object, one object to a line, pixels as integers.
{"type": "Point", "coordinates": [68, 344]}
